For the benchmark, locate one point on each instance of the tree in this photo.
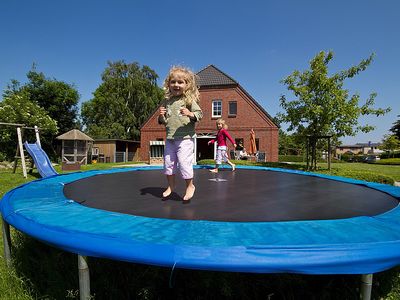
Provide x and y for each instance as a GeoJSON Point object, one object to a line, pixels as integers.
{"type": "Point", "coordinates": [390, 143]}
{"type": "Point", "coordinates": [123, 101]}
{"type": "Point", "coordinates": [18, 108]}
{"type": "Point", "coordinates": [290, 144]}
{"type": "Point", "coordinates": [323, 107]}
{"type": "Point", "coordinates": [58, 98]}
{"type": "Point", "coordinates": [396, 128]}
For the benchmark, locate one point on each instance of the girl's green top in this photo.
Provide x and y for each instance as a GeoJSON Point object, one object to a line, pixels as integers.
{"type": "Point", "coordinates": [177, 125]}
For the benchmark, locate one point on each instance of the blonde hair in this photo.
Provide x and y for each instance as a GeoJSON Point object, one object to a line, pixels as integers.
{"type": "Point", "coordinates": [222, 121]}
{"type": "Point", "coordinates": [192, 91]}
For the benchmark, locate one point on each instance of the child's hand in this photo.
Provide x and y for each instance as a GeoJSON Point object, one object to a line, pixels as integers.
{"type": "Point", "coordinates": [234, 146]}
{"type": "Point", "coordinates": [162, 111]}
{"type": "Point", "coordinates": [186, 112]}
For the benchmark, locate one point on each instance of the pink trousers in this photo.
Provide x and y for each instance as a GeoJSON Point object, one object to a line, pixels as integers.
{"type": "Point", "coordinates": [178, 154]}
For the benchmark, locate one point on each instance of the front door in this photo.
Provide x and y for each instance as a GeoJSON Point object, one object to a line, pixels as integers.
{"type": "Point", "coordinates": [204, 151]}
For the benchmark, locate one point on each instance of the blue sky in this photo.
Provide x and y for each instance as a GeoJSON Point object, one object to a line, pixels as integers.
{"type": "Point", "coordinates": [257, 43]}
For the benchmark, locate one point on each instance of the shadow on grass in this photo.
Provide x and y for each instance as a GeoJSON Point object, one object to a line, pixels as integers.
{"type": "Point", "coordinates": [53, 274]}
{"type": "Point", "coordinates": [36, 175]}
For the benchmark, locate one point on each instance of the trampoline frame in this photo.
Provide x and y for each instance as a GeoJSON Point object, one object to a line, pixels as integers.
{"type": "Point", "coordinates": [84, 280]}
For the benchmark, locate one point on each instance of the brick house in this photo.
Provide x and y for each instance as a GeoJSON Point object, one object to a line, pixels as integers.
{"type": "Point", "coordinates": [220, 97]}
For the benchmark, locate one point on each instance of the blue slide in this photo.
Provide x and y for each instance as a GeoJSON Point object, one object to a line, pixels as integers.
{"type": "Point", "coordinates": [41, 160]}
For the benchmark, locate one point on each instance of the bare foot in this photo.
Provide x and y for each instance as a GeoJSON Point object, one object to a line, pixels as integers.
{"type": "Point", "coordinates": [167, 192]}
{"type": "Point", "coordinates": [233, 167]}
{"type": "Point", "coordinates": [189, 193]}
{"type": "Point", "coordinates": [214, 170]}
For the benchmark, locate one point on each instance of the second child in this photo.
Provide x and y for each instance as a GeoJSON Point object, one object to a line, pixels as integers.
{"type": "Point", "coordinates": [222, 155]}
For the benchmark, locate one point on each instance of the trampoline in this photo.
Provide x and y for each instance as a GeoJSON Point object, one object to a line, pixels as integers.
{"type": "Point", "coordinates": [256, 219]}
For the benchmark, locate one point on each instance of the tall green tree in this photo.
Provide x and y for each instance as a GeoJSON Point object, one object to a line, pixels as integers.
{"type": "Point", "coordinates": [390, 143]}
{"type": "Point", "coordinates": [60, 99]}
{"type": "Point", "coordinates": [123, 101]}
{"type": "Point", "coordinates": [18, 108]}
{"type": "Point", "coordinates": [290, 144]}
{"type": "Point", "coordinates": [396, 128]}
{"type": "Point", "coordinates": [323, 106]}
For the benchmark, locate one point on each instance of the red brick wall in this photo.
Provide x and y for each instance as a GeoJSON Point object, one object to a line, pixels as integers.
{"type": "Point", "coordinates": [249, 116]}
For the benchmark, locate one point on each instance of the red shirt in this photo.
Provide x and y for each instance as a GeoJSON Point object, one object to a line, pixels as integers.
{"type": "Point", "coordinates": [222, 135]}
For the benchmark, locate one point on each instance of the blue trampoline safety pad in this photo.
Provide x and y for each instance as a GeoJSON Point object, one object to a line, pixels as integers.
{"type": "Point", "coordinates": [359, 245]}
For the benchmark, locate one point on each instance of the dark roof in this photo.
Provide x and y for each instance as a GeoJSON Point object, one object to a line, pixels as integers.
{"type": "Point", "coordinates": [369, 144]}
{"type": "Point", "coordinates": [212, 76]}
{"type": "Point", "coordinates": [361, 145]}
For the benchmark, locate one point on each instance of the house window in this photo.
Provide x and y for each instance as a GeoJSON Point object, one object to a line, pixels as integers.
{"type": "Point", "coordinates": [232, 108]}
{"type": "Point", "coordinates": [216, 108]}
{"type": "Point", "coordinates": [95, 151]}
{"type": "Point", "coordinates": [157, 149]}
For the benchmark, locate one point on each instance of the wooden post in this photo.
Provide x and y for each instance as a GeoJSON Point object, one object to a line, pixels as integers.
{"type": "Point", "coordinates": [329, 153]}
{"type": "Point", "coordinates": [126, 152]}
{"type": "Point", "coordinates": [84, 278]}
{"type": "Point", "coordinates": [308, 153]}
{"type": "Point", "coordinates": [75, 151]}
{"type": "Point", "coordinates": [21, 151]}
{"type": "Point", "coordinates": [366, 286]}
{"type": "Point", "coordinates": [6, 242]}
{"type": "Point", "coordinates": [37, 136]}
{"type": "Point", "coordinates": [62, 151]}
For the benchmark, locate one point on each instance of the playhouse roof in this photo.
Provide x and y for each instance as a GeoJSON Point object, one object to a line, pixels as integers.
{"type": "Point", "coordinates": [74, 134]}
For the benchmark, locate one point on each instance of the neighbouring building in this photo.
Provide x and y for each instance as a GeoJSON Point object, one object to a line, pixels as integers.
{"type": "Point", "coordinates": [114, 150]}
{"type": "Point", "coordinates": [220, 97]}
{"type": "Point", "coordinates": [74, 146]}
{"type": "Point", "coordinates": [359, 148]}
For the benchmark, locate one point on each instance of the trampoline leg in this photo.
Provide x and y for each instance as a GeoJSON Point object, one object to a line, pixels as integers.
{"type": "Point", "coordinates": [84, 278]}
{"type": "Point", "coordinates": [366, 286]}
{"type": "Point", "coordinates": [7, 242]}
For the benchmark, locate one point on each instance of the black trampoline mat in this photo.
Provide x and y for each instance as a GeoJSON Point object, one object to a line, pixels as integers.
{"type": "Point", "coordinates": [241, 196]}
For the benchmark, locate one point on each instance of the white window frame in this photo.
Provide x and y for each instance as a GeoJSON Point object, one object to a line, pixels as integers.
{"type": "Point", "coordinates": [215, 102]}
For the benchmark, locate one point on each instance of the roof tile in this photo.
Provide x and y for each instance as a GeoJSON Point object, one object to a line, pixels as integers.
{"type": "Point", "coordinates": [212, 76]}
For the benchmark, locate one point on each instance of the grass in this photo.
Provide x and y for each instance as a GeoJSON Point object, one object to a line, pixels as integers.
{"type": "Point", "coordinates": [43, 272]}
{"type": "Point", "coordinates": [337, 168]}
{"type": "Point", "coordinates": [387, 170]}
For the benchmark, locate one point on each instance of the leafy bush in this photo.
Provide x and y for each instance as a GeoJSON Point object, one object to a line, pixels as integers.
{"type": "Point", "coordinates": [388, 161]}
{"type": "Point", "coordinates": [292, 158]}
{"type": "Point", "coordinates": [385, 155]}
{"type": "Point", "coordinates": [352, 158]}
{"type": "Point", "coordinates": [361, 175]}
{"type": "Point", "coordinates": [3, 156]}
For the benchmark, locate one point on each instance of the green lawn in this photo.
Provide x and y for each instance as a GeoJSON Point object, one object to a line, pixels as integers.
{"type": "Point", "coordinates": [388, 170]}
{"type": "Point", "coordinates": [43, 272]}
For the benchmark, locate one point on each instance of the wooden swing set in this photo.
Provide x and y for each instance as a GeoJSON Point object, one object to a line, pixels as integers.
{"type": "Point", "coordinates": [20, 151]}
